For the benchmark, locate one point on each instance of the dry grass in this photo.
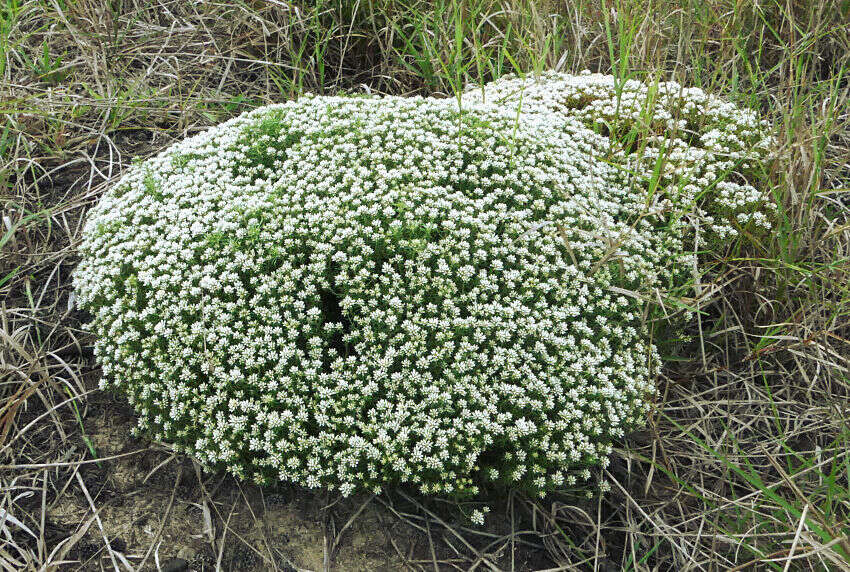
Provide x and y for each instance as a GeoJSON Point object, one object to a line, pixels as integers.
{"type": "Point", "coordinates": [745, 463]}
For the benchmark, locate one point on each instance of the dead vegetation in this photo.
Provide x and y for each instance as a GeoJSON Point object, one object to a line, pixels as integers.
{"type": "Point", "coordinates": [745, 463]}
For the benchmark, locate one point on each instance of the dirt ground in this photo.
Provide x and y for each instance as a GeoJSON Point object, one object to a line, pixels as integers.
{"type": "Point", "coordinates": [153, 503]}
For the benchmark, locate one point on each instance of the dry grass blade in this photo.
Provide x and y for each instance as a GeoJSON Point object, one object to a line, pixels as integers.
{"type": "Point", "coordinates": [165, 517]}
{"type": "Point", "coordinates": [98, 521]}
{"type": "Point", "coordinates": [481, 558]}
{"type": "Point", "coordinates": [349, 522]}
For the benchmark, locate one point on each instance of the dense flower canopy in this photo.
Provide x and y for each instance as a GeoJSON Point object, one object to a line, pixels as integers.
{"type": "Point", "coordinates": [361, 292]}
{"type": "Point", "coordinates": [692, 152]}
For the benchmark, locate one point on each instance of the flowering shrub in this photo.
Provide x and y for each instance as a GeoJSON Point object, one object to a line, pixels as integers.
{"type": "Point", "coordinates": [361, 292]}
{"type": "Point", "coordinates": [358, 292]}
{"type": "Point", "coordinates": [694, 153]}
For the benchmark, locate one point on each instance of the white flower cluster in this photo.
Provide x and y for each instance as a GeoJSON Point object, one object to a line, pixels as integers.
{"type": "Point", "coordinates": [694, 153]}
{"type": "Point", "coordinates": [361, 292]}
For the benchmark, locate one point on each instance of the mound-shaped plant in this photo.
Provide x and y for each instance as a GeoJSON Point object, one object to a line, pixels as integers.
{"type": "Point", "coordinates": [692, 153]}
{"type": "Point", "coordinates": [355, 293]}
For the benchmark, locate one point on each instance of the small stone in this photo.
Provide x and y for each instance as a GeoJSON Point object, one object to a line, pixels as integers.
{"type": "Point", "coordinates": [186, 553]}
